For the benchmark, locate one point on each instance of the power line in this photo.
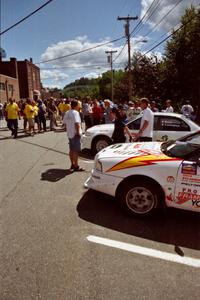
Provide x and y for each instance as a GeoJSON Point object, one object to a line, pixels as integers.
{"type": "Point", "coordinates": [161, 20]}
{"type": "Point", "coordinates": [39, 8]}
{"type": "Point", "coordinates": [82, 51]}
{"type": "Point", "coordinates": [164, 34]}
{"type": "Point", "coordinates": [139, 25]}
{"type": "Point", "coordinates": [165, 39]}
{"type": "Point", "coordinates": [100, 65]}
{"type": "Point", "coordinates": [120, 52]}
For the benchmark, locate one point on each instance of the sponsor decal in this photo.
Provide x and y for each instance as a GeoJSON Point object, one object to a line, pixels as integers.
{"type": "Point", "coordinates": [169, 197]}
{"type": "Point", "coordinates": [191, 179]}
{"type": "Point", "coordinates": [196, 203]}
{"type": "Point", "coordinates": [188, 195]}
{"type": "Point", "coordinates": [141, 161]}
{"type": "Point", "coordinates": [136, 146]}
{"type": "Point", "coordinates": [189, 169]}
{"type": "Point", "coordinates": [116, 146]}
{"type": "Point", "coordinates": [170, 179]}
{"type": "Point", "coordinates": [138, 149]}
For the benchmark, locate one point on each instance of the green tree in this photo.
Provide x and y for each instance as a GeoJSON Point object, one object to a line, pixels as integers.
{"type": "Point", "coordinates": [145, 76]}
{"type": "Point", "coordinates": [182, 58]}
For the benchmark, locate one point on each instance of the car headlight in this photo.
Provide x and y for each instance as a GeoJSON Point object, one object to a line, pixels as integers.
{"type": "Point", "coordinates": [98, 166]}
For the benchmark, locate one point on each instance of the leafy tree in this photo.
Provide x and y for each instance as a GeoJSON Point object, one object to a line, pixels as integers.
{"type": "Point", "coordinates": [145, 76]}
{"type": "Point", "coordinates": [182, 58]}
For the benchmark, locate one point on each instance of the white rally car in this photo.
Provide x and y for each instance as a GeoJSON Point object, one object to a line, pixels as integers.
{"type": "Point", "coordinates": [166, 126]}
{"type": "Point", "coordinates": [147, 176]}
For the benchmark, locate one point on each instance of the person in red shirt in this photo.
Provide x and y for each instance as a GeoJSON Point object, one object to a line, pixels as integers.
{"type": "Point", "coordinates": [97, 113]}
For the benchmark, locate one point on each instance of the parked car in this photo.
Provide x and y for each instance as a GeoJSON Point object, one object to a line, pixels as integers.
{"type": "Point", "coordinates": [146, 176]}
{"type": "Point", "coordinates": [166, 126]}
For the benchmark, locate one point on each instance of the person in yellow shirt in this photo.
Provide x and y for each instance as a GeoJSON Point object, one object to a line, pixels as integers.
{"type": "Point", "coordinates": [61, 108]}
{"type": "Point", "coordinates": [12, 114]}
{"type": "Point", "coordinates": [30, 115]}
{"type": "Point", "coordinates": [66, 106]}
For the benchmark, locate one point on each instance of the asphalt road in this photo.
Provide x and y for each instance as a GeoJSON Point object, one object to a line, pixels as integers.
{"type": "Point", "coordinates": [47, 217]}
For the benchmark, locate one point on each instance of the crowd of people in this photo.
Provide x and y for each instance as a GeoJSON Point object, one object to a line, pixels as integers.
{"type": "Point", "coordinates": [71, 113]}
{"type": "Point", "coordinates": [92, 112]}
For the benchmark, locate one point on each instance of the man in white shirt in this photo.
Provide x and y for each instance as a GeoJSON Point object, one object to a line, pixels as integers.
{"type": "Point", "coordinates": [72, 123]}
{"type": "Point", "coordinates": [145, 133]}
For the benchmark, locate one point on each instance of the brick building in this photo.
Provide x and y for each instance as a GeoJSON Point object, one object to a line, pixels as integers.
{"type": "Point", "coordinates": [25, 77]}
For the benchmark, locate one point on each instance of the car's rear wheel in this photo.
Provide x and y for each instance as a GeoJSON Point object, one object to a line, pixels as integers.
{"type": "Point", "coordinates": [138, 198]}
{"type": "Point", "coordinates": [100, 143]}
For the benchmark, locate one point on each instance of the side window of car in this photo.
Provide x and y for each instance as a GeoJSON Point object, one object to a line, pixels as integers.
{"type": "Point", "coordinates": [135, 125]}
{"type": "Point", "coordinates": [172, 124]}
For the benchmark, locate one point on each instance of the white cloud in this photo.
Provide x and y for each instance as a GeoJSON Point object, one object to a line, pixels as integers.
{"type": "Point", "coordinates": [54, 75]}
{"type": "Point", "coordinates": [95, 56]}
{"type": "Point", "coordinates": [52, 86]}
{"type": "Point", "coordinates": [92, 75]}
{"type": "Point", "coordinates": [162, 8]}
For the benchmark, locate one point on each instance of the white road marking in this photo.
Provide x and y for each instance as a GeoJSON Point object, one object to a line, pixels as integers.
{"type": "Point", "coordinates": [189, 261]}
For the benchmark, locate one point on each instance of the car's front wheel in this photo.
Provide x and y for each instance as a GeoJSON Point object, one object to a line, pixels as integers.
{"type": "Point", "coordinates": [138, 198]}
{"type": "Point", "coordinates": [100, 143]}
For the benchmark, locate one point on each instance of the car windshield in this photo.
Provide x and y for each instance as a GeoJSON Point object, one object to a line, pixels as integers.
{"type": "Point", "coordinates": [183, 147]}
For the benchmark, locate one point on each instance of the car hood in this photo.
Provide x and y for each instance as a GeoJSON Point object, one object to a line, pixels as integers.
{"type": "Point", "coordinates": [101, 128]}
{"type": "Point", "coordinates": [120, 157]}
{"type": "Point", "coordinates": [126, 150]}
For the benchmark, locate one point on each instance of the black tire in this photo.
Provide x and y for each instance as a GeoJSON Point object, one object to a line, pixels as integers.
{"type": "Point", "coordinates": [138, 198]}
{"type": "Point", "coordinates": [100, 143]}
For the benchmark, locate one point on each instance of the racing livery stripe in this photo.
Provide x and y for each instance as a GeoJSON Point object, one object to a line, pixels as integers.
{"type": "Point", "coordinates": [141, 161]}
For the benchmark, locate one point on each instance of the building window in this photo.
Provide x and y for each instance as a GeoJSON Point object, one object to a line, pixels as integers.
{"type": "Point", "coordinates": [10, 88]}
{"type": "Point", "coordinates": [2, 86]}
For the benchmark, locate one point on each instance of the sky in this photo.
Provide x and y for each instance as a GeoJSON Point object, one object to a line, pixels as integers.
{"type": "Point", "coordinates": [64, 27]}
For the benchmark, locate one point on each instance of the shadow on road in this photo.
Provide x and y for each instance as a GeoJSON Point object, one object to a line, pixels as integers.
{"type": "Point", "coordinates": [54, 175]}
{"type": "Point", "coordinates": [4, 129]}
{"type": "Point", "coordinates": [175, 227]}
{"type": "Point", "coordinates": [5, 138]}
{"type": "Point", "coordinates": [86, 154]}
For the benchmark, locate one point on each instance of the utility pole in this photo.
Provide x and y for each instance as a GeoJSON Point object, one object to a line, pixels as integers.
{"type": "Point", "coordinates": [127, 33]}
{"type": "Point", "coordinates": [110, 60]}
